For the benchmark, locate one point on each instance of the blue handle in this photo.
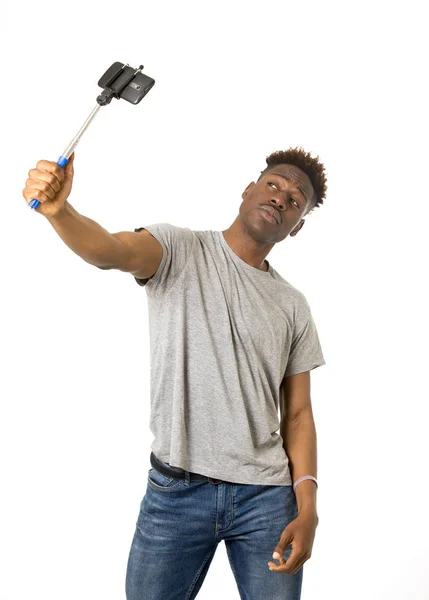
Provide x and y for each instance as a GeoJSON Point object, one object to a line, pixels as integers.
{"type": "Point", "coordinates": [62, 161]}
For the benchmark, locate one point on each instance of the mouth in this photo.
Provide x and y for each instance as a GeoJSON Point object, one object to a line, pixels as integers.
{"type": "Point", "coordinates": [270, 213]}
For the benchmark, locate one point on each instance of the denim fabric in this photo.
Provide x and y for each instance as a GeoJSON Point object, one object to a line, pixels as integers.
{"type": "Point", "coordinates": [181, 523]}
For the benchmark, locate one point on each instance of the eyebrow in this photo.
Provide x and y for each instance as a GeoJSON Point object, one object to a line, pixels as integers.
{"type": "Point", "coordinates": [289, 178]}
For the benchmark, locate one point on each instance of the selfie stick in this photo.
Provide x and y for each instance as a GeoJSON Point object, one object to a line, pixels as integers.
{"type": "Point", "coordinates": [119, 81]}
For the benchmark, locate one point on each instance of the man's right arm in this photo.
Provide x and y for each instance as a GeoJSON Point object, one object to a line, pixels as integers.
{"type": "Point", "coordinates": [138, 253]}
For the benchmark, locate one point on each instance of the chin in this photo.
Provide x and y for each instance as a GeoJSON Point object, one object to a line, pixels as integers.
{"type": "Point", "coordinates": [258, 233]}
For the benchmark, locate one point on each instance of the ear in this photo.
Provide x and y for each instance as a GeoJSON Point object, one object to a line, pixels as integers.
{"type": "Point", "coordinates": [297, 228]}
{"type": "Point", "coordinates": [251, 184]}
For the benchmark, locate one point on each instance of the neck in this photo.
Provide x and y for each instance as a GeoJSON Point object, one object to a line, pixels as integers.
{"type": "Point", "coordinates": [246, 247]}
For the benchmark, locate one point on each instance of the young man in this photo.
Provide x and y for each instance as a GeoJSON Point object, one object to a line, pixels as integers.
{"type": "Point", "coordinates": [232, 342]}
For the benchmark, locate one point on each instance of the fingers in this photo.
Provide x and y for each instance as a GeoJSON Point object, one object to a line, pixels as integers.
{"type": "Point", "coordinates": [295, 567]}
{"type": "Point", "coordinates": [292, 565]}
{"type": "Point", "coordinates": [41, 185]}
{"type": "Point", "coordinates": [49, 171]}
{"type": "Point", "coordinates": [44, 181]}
{"type": "Point", "coordinates": [288, 567]}
{"type": "Point", "coordinates": [34, 194]}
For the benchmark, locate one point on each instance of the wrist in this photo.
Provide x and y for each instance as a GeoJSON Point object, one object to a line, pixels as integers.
{"type": "Point", "coordinates": [309, 512]}
{"type": "Point", "coordinates": [306, 495]}
{"type": "Point", "coordinates": [61, 212]}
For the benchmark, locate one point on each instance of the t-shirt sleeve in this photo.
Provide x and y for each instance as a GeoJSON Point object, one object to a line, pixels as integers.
{"type": "Point", "coordinates": [305, 352]}
{"type": "Point", "coordinates": [177, 244]}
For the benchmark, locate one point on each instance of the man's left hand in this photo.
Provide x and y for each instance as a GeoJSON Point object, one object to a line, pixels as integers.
{"type": "Point", "coordinates": [300, 534]}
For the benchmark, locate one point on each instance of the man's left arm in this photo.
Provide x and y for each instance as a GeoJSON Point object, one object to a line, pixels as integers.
{"type": "Point", "coordinates": [299, 441]}
{"type": "Point", "coordinates": [298, 431]}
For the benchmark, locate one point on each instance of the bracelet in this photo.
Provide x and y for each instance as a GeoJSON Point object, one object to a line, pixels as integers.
{"type": "Point", "coordinates": [302, 479]}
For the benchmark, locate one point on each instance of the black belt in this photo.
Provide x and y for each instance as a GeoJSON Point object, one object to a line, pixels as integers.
{"type": "Point", "coordinates": [178, 472]}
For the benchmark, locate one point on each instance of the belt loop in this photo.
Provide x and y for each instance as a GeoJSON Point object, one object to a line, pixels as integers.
{"type": "Point", "coordinates": [187, 477]}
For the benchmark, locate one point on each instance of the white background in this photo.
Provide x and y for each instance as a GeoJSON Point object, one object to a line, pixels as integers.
{"type": "Point", "coordinates": [234, 82]}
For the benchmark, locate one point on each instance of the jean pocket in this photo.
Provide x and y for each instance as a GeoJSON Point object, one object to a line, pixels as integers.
{"type": "Point", "coordinates": [162, 483]}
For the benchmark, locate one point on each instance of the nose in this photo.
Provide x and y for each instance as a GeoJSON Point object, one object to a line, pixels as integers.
{"type": "Point", "coordinates": [279, 204]}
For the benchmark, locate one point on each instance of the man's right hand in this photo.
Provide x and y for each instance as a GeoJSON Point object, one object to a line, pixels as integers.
{"type": "Point", "coordinates": [51, 185]}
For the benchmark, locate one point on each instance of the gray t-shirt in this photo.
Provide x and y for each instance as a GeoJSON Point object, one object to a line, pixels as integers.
{"type": "Point", "coordinates": [223, 334]}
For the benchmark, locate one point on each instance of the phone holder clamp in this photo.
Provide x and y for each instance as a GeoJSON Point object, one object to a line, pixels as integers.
{"type": "Point", "coordinates": [114, 91]}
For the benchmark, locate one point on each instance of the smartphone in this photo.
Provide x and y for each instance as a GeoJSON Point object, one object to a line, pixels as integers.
{"type": "Point", "coordinates": [136, 86]}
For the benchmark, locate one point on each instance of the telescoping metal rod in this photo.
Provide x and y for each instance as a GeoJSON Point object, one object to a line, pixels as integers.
{"type": "Point", "coordinates": [64, 158]}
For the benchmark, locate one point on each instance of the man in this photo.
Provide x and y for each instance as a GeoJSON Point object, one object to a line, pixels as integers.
{"type": "Point", "coordinates": [231, 343]}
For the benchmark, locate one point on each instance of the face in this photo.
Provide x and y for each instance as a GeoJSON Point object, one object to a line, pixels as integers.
{"type": "Point", "coordinates": [287, 190]}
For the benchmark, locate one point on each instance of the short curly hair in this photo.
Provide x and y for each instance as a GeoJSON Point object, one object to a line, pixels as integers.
{"type": "Point", "coordinates": [314, 169]}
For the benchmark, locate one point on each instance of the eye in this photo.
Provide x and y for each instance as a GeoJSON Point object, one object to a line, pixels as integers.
{"type": "Point", "coordinates": [292, 199]}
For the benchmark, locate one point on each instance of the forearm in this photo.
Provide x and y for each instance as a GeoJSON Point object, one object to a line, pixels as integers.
{"type": "Point", "coordinates": [87, 238]}
{"type": "Point", "coordinates": [300, 445]}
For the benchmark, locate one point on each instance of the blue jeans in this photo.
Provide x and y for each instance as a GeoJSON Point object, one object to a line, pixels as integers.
{"type": "Point", "coordinates": [181, 523]}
